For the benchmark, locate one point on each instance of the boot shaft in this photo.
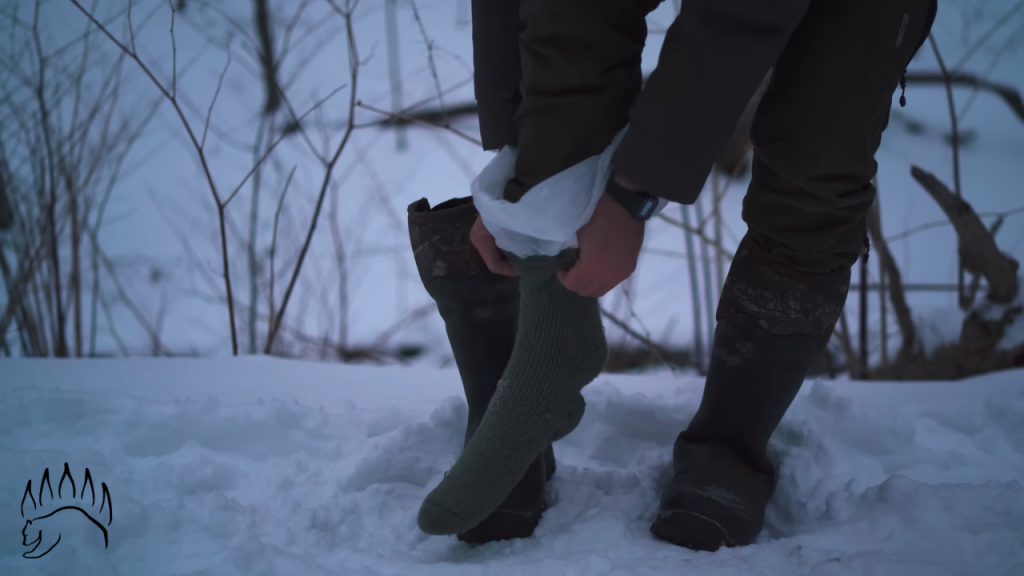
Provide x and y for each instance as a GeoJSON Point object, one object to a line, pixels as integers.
{"type": "Point", "coordinates": [479, 308]}
{"type": "Point", "coordinates": [773, 324]}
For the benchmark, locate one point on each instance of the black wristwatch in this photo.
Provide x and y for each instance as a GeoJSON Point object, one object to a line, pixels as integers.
{"type": "Point", "coordinates": [640, 205]}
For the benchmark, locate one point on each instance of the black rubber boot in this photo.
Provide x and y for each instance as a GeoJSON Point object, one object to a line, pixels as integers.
{"type": "Point", "coordinates": [772, 325]}
{"type": "Point", "coordinates": [480, 310]}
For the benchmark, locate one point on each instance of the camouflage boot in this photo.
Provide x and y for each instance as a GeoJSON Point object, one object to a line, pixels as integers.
{"type": "Point", "coordinates": [479, 309]}
{"type": "Point", "coordinates": [772, 325]}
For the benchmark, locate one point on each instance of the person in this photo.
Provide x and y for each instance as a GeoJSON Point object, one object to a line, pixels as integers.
{"type": "Point", "coordinates": [558, 85]}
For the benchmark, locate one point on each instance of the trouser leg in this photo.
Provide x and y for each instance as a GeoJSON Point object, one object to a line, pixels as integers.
{"type": "Point", "coordinates": [819, 125]}
{"type": "Point", "coordinates": [815, 135]}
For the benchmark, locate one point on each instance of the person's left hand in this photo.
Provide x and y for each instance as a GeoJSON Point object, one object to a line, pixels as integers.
{"type": "Point", "coordinates": [609, 247]}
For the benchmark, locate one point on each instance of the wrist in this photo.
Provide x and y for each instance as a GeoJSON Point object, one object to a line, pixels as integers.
{"type": "Point", "coordinates": [639, 204]}
{"type": "Point", "coordinates": [625, 182]}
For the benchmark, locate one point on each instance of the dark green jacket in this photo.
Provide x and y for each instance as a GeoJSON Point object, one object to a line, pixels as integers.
{"type": "Point", "coordinates": [714, 57]}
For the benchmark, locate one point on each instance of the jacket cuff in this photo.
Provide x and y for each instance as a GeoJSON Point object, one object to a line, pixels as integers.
{"type": "Point", "coordinates": [498, 123]}
{"type": "Point", "coordinates": [645, 162]}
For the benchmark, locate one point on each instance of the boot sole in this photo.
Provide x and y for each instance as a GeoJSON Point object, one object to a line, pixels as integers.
{"type": "Point", "coordinates": [502, 525]}
{"type": "Point", "coordinates": [510, 524]}
{"type": "Point", "coordinates": [691, 530]}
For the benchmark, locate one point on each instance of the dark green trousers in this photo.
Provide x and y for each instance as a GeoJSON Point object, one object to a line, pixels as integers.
{"type": "Point", "coordinates": [560, 77]}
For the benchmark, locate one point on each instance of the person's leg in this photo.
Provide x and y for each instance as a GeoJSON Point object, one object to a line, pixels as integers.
{"type": "Point", "coordinates": [480, 310]}
{"type": "Point", "coordinates": [815, 134]}
{"type": "Point", "coordinates": [580, 63]}
{"type": "Point", "coordinates": [559, 348]}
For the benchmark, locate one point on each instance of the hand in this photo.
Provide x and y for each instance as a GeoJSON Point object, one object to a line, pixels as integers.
{"type": "Point", "coordinates": [609, 247]}
{"type": "Point", "coordinates": [484, 243]}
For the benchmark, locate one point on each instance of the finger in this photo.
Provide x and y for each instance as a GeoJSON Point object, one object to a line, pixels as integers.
{"type": "Point", "coordinates": [496, 262]}
{"type": "Point", "coordinates": [603, 289]}
{"type": "Point", "coordinates": [577, 279]}
{"type": "Point", "coordinates": [489, 252]}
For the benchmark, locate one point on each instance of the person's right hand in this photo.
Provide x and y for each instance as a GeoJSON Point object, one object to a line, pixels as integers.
{"type": "Point", "coordinates": [484, 243]}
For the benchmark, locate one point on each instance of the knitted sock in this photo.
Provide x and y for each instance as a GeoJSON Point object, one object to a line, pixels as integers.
{"type": "Point", "coordinates": [559, 348]}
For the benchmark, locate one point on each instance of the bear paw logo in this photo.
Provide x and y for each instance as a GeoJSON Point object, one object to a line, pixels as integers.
{"type": "Point", "coordinates": [43, 529]}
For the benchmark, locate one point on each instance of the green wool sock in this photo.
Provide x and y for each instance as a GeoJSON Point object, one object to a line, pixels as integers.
{"type": "Point", "coordinates": [559, 349]}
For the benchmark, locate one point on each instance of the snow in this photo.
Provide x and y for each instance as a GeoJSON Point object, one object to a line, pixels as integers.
{"type": "Point", "coordinates": [270, 466]}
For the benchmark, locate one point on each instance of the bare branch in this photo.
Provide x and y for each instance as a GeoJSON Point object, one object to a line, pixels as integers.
{"type": "Point", "coordinates": [699, 234]}
{"type": "Point", "coordinates": [1008, 94]}
{"type": "Point", "coordinates": [354, 64]}
{"type": "Point", "coordinates": [987, 35]}
{"type": "Point", "coordinates": [140, 317]}
{"type": "Point", "coordinates": [266, 154]}
{"type": "Point", "coordinates": [978, 250]}
{"type": "Point", "coordinates": [266, 54]}
{"type": "Point", "coordinates": [430, 60]}
{"type": "Point", "coordinates": [893, 283]}
{"type": "Point", "coordinates": [448, 127]}
{"type": "Point", "coordinates": [665, 355]}
{"type": "Point", "coordinates": [213, 101]}
{"type": "Point", "coordinates": [172, 98]}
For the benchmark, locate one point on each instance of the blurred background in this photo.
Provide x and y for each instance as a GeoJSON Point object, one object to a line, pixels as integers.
{"type": "Point", "coordinates": [201, 178]}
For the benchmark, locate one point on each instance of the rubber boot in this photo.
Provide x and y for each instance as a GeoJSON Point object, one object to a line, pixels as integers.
{"type": "Point", "coordinates": [773, 323]}
{"type": "Point", "coordinates": [479, 309]}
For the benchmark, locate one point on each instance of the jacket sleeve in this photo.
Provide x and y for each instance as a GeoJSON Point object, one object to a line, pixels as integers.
{"type": "Point", "coordinates": [715, 55]}
{"type": "Point", "coordinates": [496, 29]}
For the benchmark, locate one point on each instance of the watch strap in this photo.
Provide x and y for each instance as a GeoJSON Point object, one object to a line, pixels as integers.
{"type": "Point", "coordinates": [640, 205]}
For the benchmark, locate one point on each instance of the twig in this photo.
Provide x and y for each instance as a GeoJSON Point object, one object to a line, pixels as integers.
{"type": "Point", "coordinates": [296, 121]}
{"type": "Point", "coordinates": [665, 354]}
{"type": "Point", "coordinates": [941, 223]}
{"type": "Point", "coordinates": [699, 234]}
{"type": "Point", "coordinates": [891, 279]}
{"type": "Point", "coordinates": [448, 127]}
{"type": "Point", "coordinates": [403, 323]}
{"type": "Point", "coordinates": [172, 98]}
{"type": "Point", "coordinates": [354, 64]}
{"type": "Point", "coordinates": [394, 67]}
{"type": "Point", "coordinates": [1008, 94]}
{"type": "Point", "coordinates": [108, 314]}
{"type": "Point", "coordinates": [627, 293]}
{"type": "Point", "coordinates": [698, 340]}
{"type": "Point", "coordinates": [986, 36]}
{"type": "Point", "coordinates": [273, 240]}
{"type": "Point", "coordinates": [430, 60]}
{"type": "Point", "coordinates": [956, 154]}
{"type": "Point", "coordinates": [266, 54]}
{"type": "Point", "coordinates": [132, 307]}
{"type": "Point", "coordinates": [213, 101]}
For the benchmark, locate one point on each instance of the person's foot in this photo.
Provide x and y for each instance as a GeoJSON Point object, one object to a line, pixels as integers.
{"type": "Point", "coordinates": [560, 347]}
{"type": "Point", "coordinates": [519, 514]}
{"type": "Point", "coordinates": [480, 311]}
{"type": "Point", "coordinates": [715, 499]}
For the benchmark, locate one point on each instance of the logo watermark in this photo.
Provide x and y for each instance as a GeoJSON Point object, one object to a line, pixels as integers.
{"type": "Point", "coordinates": [49, 516]}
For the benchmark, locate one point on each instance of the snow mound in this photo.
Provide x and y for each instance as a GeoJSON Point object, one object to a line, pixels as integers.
{"type": "Point", "coordinates": [261, 466]}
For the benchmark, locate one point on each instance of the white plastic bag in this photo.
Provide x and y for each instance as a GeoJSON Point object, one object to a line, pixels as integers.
{"type": "Point", "coordinates": [545, 220]}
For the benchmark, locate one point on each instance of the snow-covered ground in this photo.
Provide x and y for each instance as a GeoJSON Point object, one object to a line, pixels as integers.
{"type": "Point", "coordinates": [268, 466]}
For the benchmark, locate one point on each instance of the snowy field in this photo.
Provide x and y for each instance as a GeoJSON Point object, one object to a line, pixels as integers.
{"type": "Point", "coordinates": [267, 466]}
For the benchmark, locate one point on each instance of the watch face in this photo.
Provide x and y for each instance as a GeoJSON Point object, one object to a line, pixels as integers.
{"type": "Point", "coordinates": [647, 210]}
